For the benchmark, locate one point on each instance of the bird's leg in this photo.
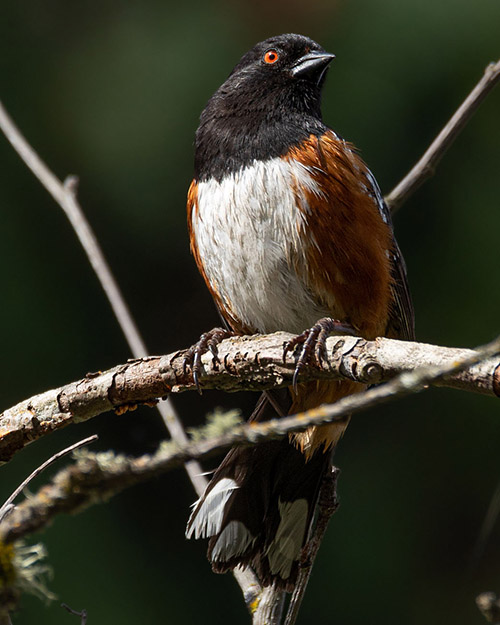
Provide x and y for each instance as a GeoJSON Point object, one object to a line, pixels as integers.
{"type": "Point", "coordinates": [313, 342]}
{"type": "Point", "coordinates": [207, 342]}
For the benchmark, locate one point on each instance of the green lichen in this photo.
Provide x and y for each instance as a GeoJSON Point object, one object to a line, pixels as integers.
{"type": "Point", "coordinates": [218, 422]}
{"type": "Point", "coordinates": [23, 569]}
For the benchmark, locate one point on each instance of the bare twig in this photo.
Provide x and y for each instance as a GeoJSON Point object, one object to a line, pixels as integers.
{"type": "Point", "coordinates": [97, 477]}
{"type": "Point", "coordinates": [8, 505]}
{"type": "Point", "coordinates": [64, 195]}
{"type": "Point", "coordinates": [426, 165]}
{"type": "Point", "coordinates": [82, 614]}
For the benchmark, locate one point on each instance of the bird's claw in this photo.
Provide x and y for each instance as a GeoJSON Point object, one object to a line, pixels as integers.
{"type": "Point", "coordinates": [313, 342]}
{"type": "Point", "coordinates": [208, 341]}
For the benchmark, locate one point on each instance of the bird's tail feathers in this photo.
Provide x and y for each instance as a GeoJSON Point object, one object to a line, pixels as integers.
{"type": "Point", "coordinates": [258, 508]}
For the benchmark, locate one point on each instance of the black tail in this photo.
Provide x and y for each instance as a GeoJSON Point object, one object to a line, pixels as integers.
{"type": "Point", "coordinates": [258, 508]}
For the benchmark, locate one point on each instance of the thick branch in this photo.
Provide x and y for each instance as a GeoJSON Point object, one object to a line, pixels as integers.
{"type": "Point", "coordinates": [96, 477]}
{"type": "Point", "coordinates": [249, 363]}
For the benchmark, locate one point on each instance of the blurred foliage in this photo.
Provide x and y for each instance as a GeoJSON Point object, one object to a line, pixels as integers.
{"type": "Point", "coordinates": [112, 91]}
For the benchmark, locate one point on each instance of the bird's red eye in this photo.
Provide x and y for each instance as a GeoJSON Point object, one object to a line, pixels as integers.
{"type": "Point", "coordinates": [271, 56]}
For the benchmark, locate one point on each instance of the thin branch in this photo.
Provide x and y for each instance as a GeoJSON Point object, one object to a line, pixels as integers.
{"type": "Point", "coordinates": [249, 585]}
{"type": "Point", "coordinates": [249, 363]}
{"type": "Point", "coordinates": [9, 503]}
{"type": "Point", "coordinates": [65, 195]}
{"type": "Point", "coordinates": [96, 477]}
{"type": "Point", "coordinates": [82, 614]}
{"type": "Point", "coordinates": [426, 166]}
{"type": "Point", "coordinates": [270, 608]}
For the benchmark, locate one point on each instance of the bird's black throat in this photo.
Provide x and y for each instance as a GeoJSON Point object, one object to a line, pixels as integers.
{"type": "Point", "coordinates": [255, 117]}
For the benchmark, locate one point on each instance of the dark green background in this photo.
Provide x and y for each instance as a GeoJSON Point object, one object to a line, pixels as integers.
{"type": "Point", "coordinates": [112, 91]}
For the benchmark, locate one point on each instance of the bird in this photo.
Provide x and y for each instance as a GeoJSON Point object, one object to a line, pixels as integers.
{"type": "Point", "coordinates": [289, 229]}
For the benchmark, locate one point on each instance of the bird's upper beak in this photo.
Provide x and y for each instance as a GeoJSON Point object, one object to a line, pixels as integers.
{"type": "Point", "coordinates": [311, 64]}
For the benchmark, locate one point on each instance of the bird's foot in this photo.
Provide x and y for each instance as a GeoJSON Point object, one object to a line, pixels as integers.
{"type": "Point", "coordinates": [207, 342]}
{"type": "Point", "coordinates": [313, 342]}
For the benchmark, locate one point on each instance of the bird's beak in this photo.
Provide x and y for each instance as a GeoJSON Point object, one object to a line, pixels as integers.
{"type": "Point", "coordinates": [313, 63]}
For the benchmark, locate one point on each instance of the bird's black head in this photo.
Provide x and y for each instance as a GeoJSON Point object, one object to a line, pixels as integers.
{"type": "Point", "coordinates": [289, 69]}
{"type": "Point", "coordinates": [269, 103]}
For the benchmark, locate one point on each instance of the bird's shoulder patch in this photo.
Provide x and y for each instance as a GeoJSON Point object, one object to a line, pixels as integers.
{"type": "Point", "coordinates": [349, 242]}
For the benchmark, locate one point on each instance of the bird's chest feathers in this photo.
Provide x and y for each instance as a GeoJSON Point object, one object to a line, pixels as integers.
{"type": "Point", "coordinates": [251, 238]}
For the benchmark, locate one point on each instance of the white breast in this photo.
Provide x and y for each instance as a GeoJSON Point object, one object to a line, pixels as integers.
{"type": "Point", "coordinates": [247, 231]}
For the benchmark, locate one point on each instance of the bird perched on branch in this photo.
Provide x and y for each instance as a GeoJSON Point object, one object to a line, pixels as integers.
{"type": "Point", "coordinates": [290, 232]}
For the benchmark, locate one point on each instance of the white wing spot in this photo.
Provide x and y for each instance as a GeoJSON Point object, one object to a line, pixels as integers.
{"type": "Point", "coordinates": [234, 540]}
{"type": "Point", "coordinates": [286, 546]}
{"type": "Point", "coordinates": [207, 519]}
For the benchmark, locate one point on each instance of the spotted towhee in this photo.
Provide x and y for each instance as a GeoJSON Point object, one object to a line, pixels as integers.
{"type": "Point", "coordinates": [287, 226]}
